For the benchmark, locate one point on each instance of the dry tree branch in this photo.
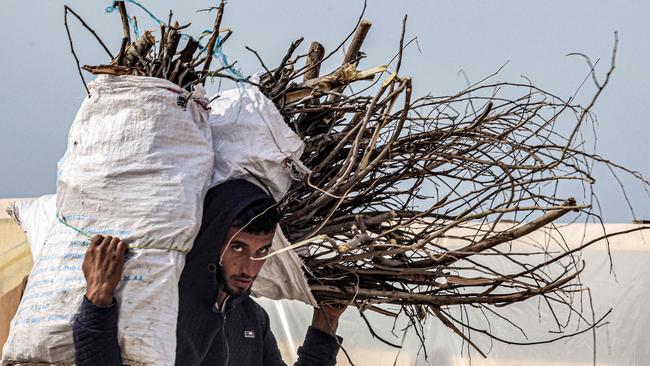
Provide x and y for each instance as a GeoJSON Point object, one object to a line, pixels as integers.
{"type": "Point", "coordinates": [390, 181]}
{"type": "Point", "coordinates": [213, 37]}
{"type": "Point", "coordinates": [101, 43]}
{"type": "Point", "coordinates": [124, 18]}
{"type": "Point", "coordinates": [67, 29]}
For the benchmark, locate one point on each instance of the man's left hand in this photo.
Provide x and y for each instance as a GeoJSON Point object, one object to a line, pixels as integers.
{"type": "Point", "coordinates": [326, 318]}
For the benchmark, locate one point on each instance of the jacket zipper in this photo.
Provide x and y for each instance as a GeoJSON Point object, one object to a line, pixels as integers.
{"type": "Point", "coordinates": [223, 329]}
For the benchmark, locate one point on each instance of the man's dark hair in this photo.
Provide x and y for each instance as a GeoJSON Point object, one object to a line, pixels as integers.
{"type": "Point", "coordinates": [258, 218]}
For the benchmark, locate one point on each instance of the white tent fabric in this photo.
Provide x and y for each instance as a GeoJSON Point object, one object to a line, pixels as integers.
{"type": "Point", "coordinates": [622, 339]}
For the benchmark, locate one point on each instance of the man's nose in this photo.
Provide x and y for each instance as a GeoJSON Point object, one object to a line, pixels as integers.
{"type": "Point", "coordinates": [252, 267]}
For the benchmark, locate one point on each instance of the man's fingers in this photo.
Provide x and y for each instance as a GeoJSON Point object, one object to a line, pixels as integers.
{"type": "Point", "coordinates": [117, 252]}
{"type": "Point", "coordinates": [106, 242]}
{"type": "Point", "coordinates": [122, 248]}
{"type": "Point", "coordinates": [112, 245]}
{"type": "Point", "coordinates": [96, 240]}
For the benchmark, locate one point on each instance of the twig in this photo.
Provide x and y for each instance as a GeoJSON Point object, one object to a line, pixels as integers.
{"type": "Point", "coordinates": [355, 46]}
{"type": "Point", "coordinates": [268, 72]}
{"type": "Point", "coordinates": [213, 38]}
{"type": "Point", "coordinates": [68, 9]}
{"type": "Point", "coordinates": [292, 48]}
{"type": "Point", "coordinates": [67, 29]}
{"type": "Point", "coordinates": [124, 17]}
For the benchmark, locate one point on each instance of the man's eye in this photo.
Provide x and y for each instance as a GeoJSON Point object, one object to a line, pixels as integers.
{"type": "Point", "coordinates": [237, 248]}
{"type": "Point", "coordinates": [263, 251]}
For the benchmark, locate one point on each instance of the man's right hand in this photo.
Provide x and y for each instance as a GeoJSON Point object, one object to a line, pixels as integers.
{"type": "Point", "coordinates": [102, 267]}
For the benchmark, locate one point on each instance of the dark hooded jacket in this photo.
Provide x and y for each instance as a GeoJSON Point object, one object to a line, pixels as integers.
{"type": "Point", "coordinates": [239, 334]}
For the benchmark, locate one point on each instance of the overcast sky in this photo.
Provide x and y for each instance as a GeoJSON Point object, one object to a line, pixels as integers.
{"type": "Point", "coordinates": [41, 90]}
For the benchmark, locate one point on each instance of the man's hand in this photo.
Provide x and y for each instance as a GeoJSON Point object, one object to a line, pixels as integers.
{"type": "Point", "coordinates": [326, 319]}
{"type": "Point", "coordinates": [102, 267]}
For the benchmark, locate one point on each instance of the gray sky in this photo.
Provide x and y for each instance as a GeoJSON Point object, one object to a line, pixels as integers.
{"type": "Point", "coordinates": [41, 90]}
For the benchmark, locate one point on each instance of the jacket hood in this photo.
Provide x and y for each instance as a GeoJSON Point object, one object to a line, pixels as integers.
{"type": "Point", "coordinates": [200, 281]}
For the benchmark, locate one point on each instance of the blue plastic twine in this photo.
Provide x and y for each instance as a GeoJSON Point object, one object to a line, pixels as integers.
{"type": "Point", "coordinates": [111, 8]}
{"type": "Point", "coordinates": [217, 52]}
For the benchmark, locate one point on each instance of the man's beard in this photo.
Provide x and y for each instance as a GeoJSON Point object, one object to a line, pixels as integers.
{"type": "Point", "coordinates": [235, 291]}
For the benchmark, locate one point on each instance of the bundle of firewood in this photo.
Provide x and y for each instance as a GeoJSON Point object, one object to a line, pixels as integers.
{"type": "Point", "coordinates": [164, 58]}
{"type": "Point", "coordinates": [413, 201]}
{"type": "Point", "coordinates": [408, 199]}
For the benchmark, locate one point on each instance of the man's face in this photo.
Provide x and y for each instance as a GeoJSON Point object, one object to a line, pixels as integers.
{"type": "Point", "coordinates": [239, 267]}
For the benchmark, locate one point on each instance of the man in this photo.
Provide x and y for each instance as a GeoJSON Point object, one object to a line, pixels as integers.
{"type": "Point", "coordinates": [218, 323]}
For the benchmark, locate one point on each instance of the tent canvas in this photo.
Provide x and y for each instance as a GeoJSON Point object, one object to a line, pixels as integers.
{"type": "Point", "coordinates": [621, 341]}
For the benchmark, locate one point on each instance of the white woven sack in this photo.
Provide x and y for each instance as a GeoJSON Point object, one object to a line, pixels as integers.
{"type": "Point", "coordinates": [252, 142]}
{"type": "Point", "coordinates": [281, 277]}
{"type": "Point", "coordinates": [137, 166]}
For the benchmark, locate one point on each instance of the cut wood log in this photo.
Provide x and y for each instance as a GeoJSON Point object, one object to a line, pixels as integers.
{"type": "Point", "coordinates": [136, 51]}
